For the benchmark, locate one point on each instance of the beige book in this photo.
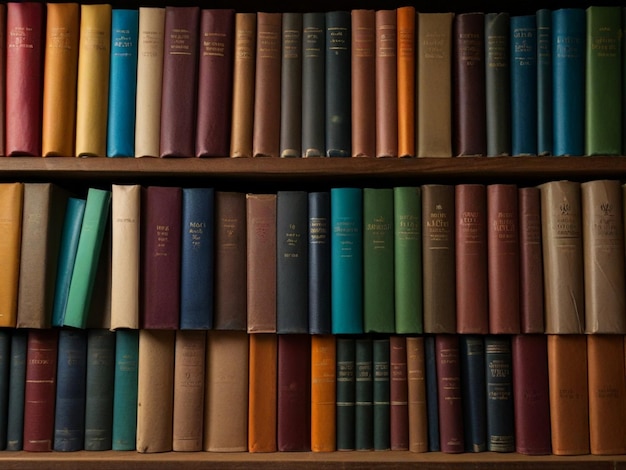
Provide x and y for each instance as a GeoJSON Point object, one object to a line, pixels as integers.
{"type": "Point", "coordinates": [125, 221]}
{"type": "Point", "coordinates": [149, 78]}
{"type": "Point", "coordinates": [92, 94]}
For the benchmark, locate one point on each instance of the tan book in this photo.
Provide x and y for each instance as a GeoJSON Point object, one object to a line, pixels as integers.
{"type": "Point", "coordinates": [92, 92]}
{"type": "Point", "coordinates": [262, 396]}
{"type": "Point", "coordinates": [149, 77]}
{"type": "Point", "coordinates": [59, 79]}
{"type": "Point", "coordinates": [386, 84]}
{"type": "Point", "coordinates": [155, 390]}
{"type": "Point", "coordinates": [416, 373]}
{"type": "Point", "coordinates": [243, 85]}
{"type": "Point", "coordinates": [226, 397]}
{"type": "Point", "coordinates": [125, 222]}
{"type": "Point", "coordinates": [434, 85]}
{"type": "Point", "coordinates": [11, 205]}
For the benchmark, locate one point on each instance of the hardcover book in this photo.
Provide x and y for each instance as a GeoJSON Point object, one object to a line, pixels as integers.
{"type": "Point", "coordinates": [473, 385]}
{"type": "Point", "coordinates": [313, 84]}
{"type": "Point", "coordinates": [545, 91]}
{"type": "Point", "coordinates": [319, 263]}
{"type": "Point", "coordinates": [416, 384]}
{"type": "Point", "coordinates": [124, 434]}
{"type": "Point", "coordinates": [262, 396]}
{"type": "Point", "coordinates": [346, 393]}
{"type": "Point", "coordinates": [406, 47]}
{"type": "Point", "coordinates": [398, 393]}
{"type": "Point", "coordinates": [11, 208]}
{"type": "Point", "coordinates": [381, 393]}
{"type": "Point", "coordinates": [386, 83]}
{"type": "Point", "coordinates": [432, 401]}
{"type": "Point", "coordinates": [500, 405]}
{"type": "Point", "coordinates": [17, 383]}
{"type": "Point", "coordinates": [323, 393]}
{"type": "Point", "coordinates": [291, 86]}
{"type": "Point", "coordinates": [363, 82]}
{"type": "Point", "coordinates": [363, 395]}
{"type": "Point", "coordinates": [449, 394]}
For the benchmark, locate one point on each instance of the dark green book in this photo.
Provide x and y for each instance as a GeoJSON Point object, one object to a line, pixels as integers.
{"type": "Point", "coordinates": [125, 389]}
{"type": "Point", "coordinates": [364, 396]}
{"type": "Point", "coordinates": [345, 393]}
{"type": "Point", "coordinates": [16, 381]}
{"type": "Point", "coordinates": [382, 416]}
{"type": "Point", "coordinates": [499, 380]}
{"type": "Point", "coordinates": [313, 84]}
{"type": "Point", "coordinates": [5, 362]}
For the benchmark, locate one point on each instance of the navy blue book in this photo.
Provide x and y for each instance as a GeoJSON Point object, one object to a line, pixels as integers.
{"type": "Point", "coordinates": [197, 259]}
{"type": "Point", "coordinates": [319, 263]}
{"type": "Point", "coordinates": [382, 394]}
{"type": "Point", "coordinates": [69, 416]}
{"type": "Point", "coordinates": [17, 380]}
{"type": "Point", "coordinates": [292, 262]}
{"type": "Point", "coordinates": [5, 362]}
{"type": "Point", "coordinates": [313, 84]}
{"type": "Point", "coordinates": [500, 406]}
{"type": "Point", "coordinates": [473, 388]}
{"type": "Point", "coordinates": [432, 400]}
{"type": "Point", "coordinates": [346, 393]}
{"type": "Point", "coordinates": [125, 389]}
{"type": "Point", "coordinates": [544, 82]}
{"type": "Point", "coordinates": [364, 395]}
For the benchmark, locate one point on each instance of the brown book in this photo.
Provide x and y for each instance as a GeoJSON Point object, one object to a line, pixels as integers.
{"type": "Point", "coordinates": [243, 85]}
{"type": "Point", "coordinates": [472, 309]}
{"type": "Point", "coordinates": [386, 84]}
{"type": "Point", "coordinates": [406, 81]}
{"type": "Point", "coordinates": [262, 393]}
{"type": "Point", "coordinates": [438, 258]}
{"type": "Point", "coordinates": [11, 206]}
{"type": "Point", "coordinates": [531, 261]}
{"type": "Point", "coordinates": [399, 393]}
{"type": "Point", "coordinates": [434, 85]}
{"type": "Point", "coordinates": [363, 89]}
{"type": "Point", "coordinates": [569, 403]}
{"type": "Point", "coordinates": [261, 264]}
{"type": "Point", "coordinates": [451, 436]}
{"type": "Point", "coordinates": [562, 248]}
{"type": "Point", "coordinates": [189, 371]}
{"type": "Point", "coordinates": [226, 427]}
{"type": "Point", "coordinates": [503, 258]}
{"type": "Point", "coordinates": [155, 390]}
{"type": "Point", "coordinates": [603, 257]}
{"type": "Point", "coordinates": [323, 393]}
{"type": "Point", "coordinates": [416, 383]}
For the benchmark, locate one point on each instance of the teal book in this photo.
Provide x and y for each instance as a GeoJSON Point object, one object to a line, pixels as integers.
{"type": "Point", "coordinates": [346, 393]}
{"type": "Point", "coordinates": [125, 389]}
{"type": "Point", "coordinates": [346, 215]}
{"type": "Point", "coordinates": [70, 233]}
{"type": "Point", "coordinates": [122, 83]}
{"type": "Point", "coordinates": [382, 395]}
{"type": "Point", "coordinates": [16, 381]}
{"type": "Point", "coordinates": [87, 257]}
{"type": "Point", "coordinates": [5, 362]}
{"type": "Point", "coordinates": [364, 395]}
{"type": "Point", "coordinates": [544, 82]}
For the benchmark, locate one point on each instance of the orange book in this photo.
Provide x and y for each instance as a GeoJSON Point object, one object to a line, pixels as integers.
{"type": "Point", "coordinates": [262, 393]}
{"type": "Point", "coordinates": [323, 397]}
{"type": "Point", "coordinates": [11, 204]}
{"type": "Point", "coordinates": [406, 81]}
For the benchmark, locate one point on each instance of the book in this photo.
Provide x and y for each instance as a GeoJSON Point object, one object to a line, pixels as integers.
{"type": "Point", "coordinates": [381, 397]}
{"type": "Point", "coordinates": [3, 69]}
{"type": "Point", "coordinates": [16, 382]}
{"type": "Point", "coordinates": [323, 392]}
{"type": "Point", "coordinates": [5, 362]}
{"type": "Point", "coordinates": [416, 385]}
{"type": "Point", "coordinates": [473, 386]}
{"type": "Point", "coordinates": [124, 433]}
{"type": "Point", "coordinates": [291, 86]}
{"type": "Point", "coordinates": [363, 394]}
{"type": "Point", "coordinates": [179, 88]}
{"type": "Point", "coordinates": [122, 83]}
{"type": "Point", "coordinates": [406, 80]}
{"type": "Point", "coordinates": [346, 393]}
{"type": "Point", "coordinates": [398, 394]}
{"type": "Point", "coordinates": [11, 208]}
{"type": "Point", "coordinates": [99, 314]}
{"type": "Point", "coordinates": [448, 366]}
{"type": "Point", "coordinates": [432, 400]}
{"type": "Point", "coordinates": [58, 119]}
{"type": "Point", "coordinates": [544, 81]}
{"type": "Point", "coordinates": [500, 405]}
{"type": "Point", "coordinates": [92, 86]}
{"type": "Point", "coordinates": [262, 395]}
{"type": "Point", "coordinates": [313, 84]}
{"type": "Point", "coordinates": [386, 83]}
{"type": "Point", "coordinates": [319, 262]}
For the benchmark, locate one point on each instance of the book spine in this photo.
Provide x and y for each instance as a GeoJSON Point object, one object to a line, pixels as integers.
{"type": "Point", "coordinates": [500, 408]}
{"type": "Point", "coordinates": [291, 86]}
{"type": "Point", "coordinates": [432, 400]}
{"type": "Point", "coordinates": [449, 393]}
{"type": "Point", "coordinates": [262, 397]}
{"type": "Point", "coordinates": [381, 396]}
{"type": "Point", "coordinates": [11, 208]}
{"type": "Point", "coordinates": [406, 19]}
{"type": "Point", "coordinates": [319, 263]}
{"type": "Point", "coordinates": [473, 386]}
{"type": "Point", "coordinates": [3, 81]}
{"type": "Point", "coordinates": [416, 385]}
{"type": "Point", "coordinates": [313, 84]}
{"type": "Point", "coordinates": [323, 393]}
{"type": "Point", "coordinates": [16, 382]}
{"type": "Point", "coordinates": [399, 394]}
{"type": "Point", "coordinates": [99, 314]}
{"type": "Point", "coordinates": [363, 395]}
{"type": "Point", "coordinates": [5, 362]}
{"type": "Point", "coordinates": [346, 393]}
{"type": "Point", "coordinates": [544, 82]}
{"type": "Point", "coordinates": [125, 390]}
{"type": "Point", "coordinates": [386, 83]}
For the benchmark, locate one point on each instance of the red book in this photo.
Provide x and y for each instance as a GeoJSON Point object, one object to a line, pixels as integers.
{"type": "Point", "coordinates": [24, 79]}
{"type": "Point", "coordinates": [399, 393]}
{"type": "Point", "coordinates": [451, 437]}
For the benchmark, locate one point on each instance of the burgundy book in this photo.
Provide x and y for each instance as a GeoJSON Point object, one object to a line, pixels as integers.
{"type": "Point", "coordinates": [451, 437]}
{"type": "Point", "coordinates": [160, 257]}
{"type": "Point", "coordinates": [215, 82]}
{"type": "Point", "coordinates": [24, 77]}
{"type": "Point", "coordinates": [386, 84]}
{"type": "Point", "coordinates": [531, 261]}
{"type": "Point", "coordinates": [472, 310]}
{"type": "Point", "coordinates": [294, 393]}
{"type": "Point", "coordinates": [503, 258]}
{"type": "Point", "coordinates": [3, 76]}
{"type": "Point", "coordinates": [531, 395]}
{"type": "Point", "coordinates": [180, 71]}
{"type": "Point", "coordinates": [399, 394]}
{"type": "Point", "coordinates": [40, 389]}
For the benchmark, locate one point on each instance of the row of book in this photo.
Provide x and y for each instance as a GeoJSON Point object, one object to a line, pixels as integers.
{"type": "Point", "coordinates": [185, 81]}
{"type": "Point", "coordinates": [159, 391]}
{"type": "Point", "coordinates": [469, 258]}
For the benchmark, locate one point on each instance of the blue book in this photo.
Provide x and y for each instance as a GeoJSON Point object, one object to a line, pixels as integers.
{"type": "Point", "coordinates": [473, 389]}
{"type": "Point", "coordinates": [196, 272]}
{"type": "Point", "coordinates": [122, 83]}
{"type": "Point", "coordinates": [17, 381]}
{"type": "Point", "coordinates": [67, 254]}
{"type": "Point", "coordinates": [346, 216]}
{"type": "Point", "coordinates": [544, 82]}
{"type": "Point", "coordinates": [319, 263]}
{"type": "Point", "coordinates": [5, 362]}
{"type": "Point", "coordinates": [432, 400]}
{"type": "Point", "coordinates": [69, 416]}
{"type": "Point", "coordinates": [125, 389]}
{"type": "Point", "coordinates": [499, 386]}
{"type": "Point", "coordinates": [524, 85]}
{"type": "Point", "coordinates": [568, 80]}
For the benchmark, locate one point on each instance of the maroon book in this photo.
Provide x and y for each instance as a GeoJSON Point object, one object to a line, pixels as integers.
{"type": "Point", "coordinates": [178, 93]}
{"type": "Point", "coordinates": [215, 82]}
{"type": "Point", "coordinates": [294, 393]}
{"type": "Point", "coordinates": [531, 394]}
{"type": "Point", "coordinates": [40, 390]}
{"type": "Point", "coordinates": [399, 394]}
{"type": "Point", "coordinates": [160, 257]}
{"type": "Point", "coordinates": [451, 437]}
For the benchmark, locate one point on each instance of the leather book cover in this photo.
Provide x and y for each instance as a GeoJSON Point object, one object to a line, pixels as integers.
{"type": "Point", "coordinates": [363, 82]}
{"type": "Point", "coordinates": [243, 85]}
{"type": "Point", "coordinates": [189, 384]}
{"type": "Point", "coordinates": [161, 257]}
{"type": "Point", "coordinates": [569, 395]}
{"type": "Point", "coordinates": [363, 395]}
{"type": "Point", "coordinates": [155, 390]}
{"type": "Point", "coordinates": [215, 82]}
{"type": "Point", "coordinates": [434, 84]}
{"type": "Point", "coordinates": [5, 361]}
{"type": "Point", "coordinates": [416, 387]}
{"type": "Point", "coordinates": [503, 258]}
{"type": "Point", "coordinates": [398, 393]}
{"type": "Point", "coordinates": [432, 401]}
{"type": "Point", "coordinates": [11, 209]}
{"type": "Point", "coordinates": [294, 393]}
{"type": "Point", "coordinates": [562, 248]}
{"type": "Point", "coordinates": [319, 262]}
{"type": "Point", "coordinates": [25, 50]}
{"type": "Point", "coordinates": [230, 261]}
{"type": "Point", "coordinates": [473, 386]}
{"type": "Point", "coordinates": [179, 89]}
{"type": "Point", "coordinates": [262, 396]}
{"type": "Point", "coordinates": [226, 427]}
{"type": "Point", "coordinates": [470, 133]}
{"type": "Point", "coordinates": [267, 83]}
{"type": "Point", "coordinates": [346, 393]}
{"type": "Point", "coordinates": [92, 89]}
{"type": "Point", "coordinates": [449, 393]}
{"type": "Point", "coordinates": [17, 384]}
{"type": "Point", "coordinates": [381, 371]}
{"type": "Point", "coordinates": [531, 394]}
{"type": "Point", "coordinates": [3, 76]}
{"type": "Point", "coordinates": [313, 84]}
{"type": "Point", "coordinates": [531, 261]}
{"type": "Point", "coordinates": [323, 393]}
{"type": "Point", "coordinates": [545, 92]}
{"type": "Point", "coordinates": [603, 257]}
{"type": "Point", "coordinates": [386, 83]}
{"type": "Point", "coordinates": [59, 79]}
{"type": "Point", "coordinates": [500, 407]}
{"type": "Point", "coordinates": [291, 86]}
{"type": "Point", "coordinates": [124, 434]}
{"type": "Point", "coordinates": [406, 45]}
{"type": "Point", "coordinates": [40, 390]}
{"type": "Point", "coordinates": [438, 255]}
{"type": "Point", "coordinates": [472, 308]}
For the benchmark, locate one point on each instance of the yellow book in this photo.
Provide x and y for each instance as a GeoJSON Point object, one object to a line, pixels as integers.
{"type": "Point", "coordinates": [11, 204]}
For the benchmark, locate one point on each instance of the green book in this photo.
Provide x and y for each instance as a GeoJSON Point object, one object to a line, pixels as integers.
{"type": "Point", "coordinates": [345, 429]}
{"type": "Point", "coordinates": [364, 396]}
{"type": "Point", "coordinates": [87, 257]}
{"type": "Point", "coordinates": [382, 394]}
